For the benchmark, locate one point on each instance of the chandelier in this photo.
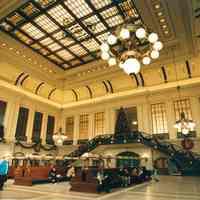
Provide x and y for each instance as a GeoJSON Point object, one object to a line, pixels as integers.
{"type": "Point", "coordinates": [184, 126]}
{"type": "Point", "coordinates": [59, 138]}
{"type": "Point", "coordinates": [130, 46]}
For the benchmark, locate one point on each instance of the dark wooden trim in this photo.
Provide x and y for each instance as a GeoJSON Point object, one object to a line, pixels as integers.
{"type": "Point", "coordinates": [106, 87]}
{"type": "Point", "coordinates": [18, 77]}
{"type": "Point", "coordinates": [38, 87]}
{"type": "Point", "coordinates": [22, 81]}
{"type": "Point", "coordinates": [187, 64]}
{"type": "Point", "coordinates": [111, 87]}
{"type": "Point", "coordinates": [164, 74]}
{"type": "Point", "coordinates": [51, 92]}
{"type": "Point", "coordinates": [136, 79]}
{"type": "Point", "coordinates": [90, 91]}
{"type": "Point", "coordinates": [141, 77]}
{"type": "Point", "coordinates": [75, 94]}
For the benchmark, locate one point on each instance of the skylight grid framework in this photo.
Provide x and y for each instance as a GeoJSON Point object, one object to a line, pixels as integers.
{"type": "Point", "coordinates": [67, 32]}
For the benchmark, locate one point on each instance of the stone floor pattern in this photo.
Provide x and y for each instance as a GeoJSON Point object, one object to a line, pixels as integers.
{"type": "Point", "coordinates": [178, 188]}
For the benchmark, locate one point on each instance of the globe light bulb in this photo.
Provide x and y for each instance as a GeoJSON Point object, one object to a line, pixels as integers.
{"type": "Point", "coordinates": [140, 33]}
{"type": "Point", "coordinates": [185, 131]}
{"type": "Point", "coordinates": [112, 62]}
{"type": "Point", "coordinates": [121, 65]}
{"type": "Point", "coordinates": [112, 39]}
{"type": "Point", "coordinates": [105, 55]}
{"type": "Point", "coordinates": [131, 65]}
{"type": "Point", "coordinates": [104, 47]}
{"type": "Point", "coordinates": [153, 37]}
{"type": "Point", "coordinates": [146, 60]}
{"type": "Point", "coordinates": [124, 33]}
{"type": "Point", "coordinates": [158, 46]}
{"type": "Point", "coordinates": [154, 54]}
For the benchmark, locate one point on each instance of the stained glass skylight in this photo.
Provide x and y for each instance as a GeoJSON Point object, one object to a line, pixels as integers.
{"type": "Point", "coordinates": [67, 32]}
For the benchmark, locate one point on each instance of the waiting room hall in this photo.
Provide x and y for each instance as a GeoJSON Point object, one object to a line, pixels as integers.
{"type": "Point", "coordinates": [100, 99]}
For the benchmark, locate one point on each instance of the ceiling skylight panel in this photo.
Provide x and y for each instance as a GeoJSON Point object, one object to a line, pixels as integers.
{"type": "Point", "coordinates": [23, 37]}
{"type": "Point", "coordinates": [65, 66]}
{"type": "Point", "coordinates": [15, 18]}
{"type": "Point", "coordinates": [100, 3]}
{"type": "Point", "coordinates": [79, 7]}
{"type": "Point", "coordinates": [129, 9]}
{"type": "Point", "coordinates": [78, 50]}
{"type": "Point", "coordinates": [61, 15]}
{"type": "Point", "coordinates": [78, 32]}
{"type": "Point", "coordinates": [59, 35]}
{"type": "Point", "coordinates": [65, 55]}
{"type": "Point", "coordinates": [75, 62]}
{"type": "Point", "coordinates": [109, 12]}
{"type": "Point", "coordinates": [54, 47]}
{"type": "Point", "coordinates": [46, 41]}
{"type": "Point", "coordinates": [94, 24]}
{"type": "Point", "coordinates": [87, 58]}
{"type": "Point", "coordinates": [67, 41]}
{"type": "Point", "coordinates": [45, 3]}
{"type": "Point", "coordinates": [99, 28]}
{"type": "Point", "coordinates": [30, 9]}
{"type": "Point", "coordinates": [55, 58]}
{"type": "Point", "coordinates": [91, 45]}
{"type": "Point", "coordinates": [36, 46]}
{"type": "Point", "coordinates": [114, 21]}
{"type": "Point", "coordinates": [44, 51]}
{"type": "Point", "coordinates": [45, 23]}
{"type": "Point", "coordinates": [33, 31]}
{"type": "Point", "coordinates": [103, 37]}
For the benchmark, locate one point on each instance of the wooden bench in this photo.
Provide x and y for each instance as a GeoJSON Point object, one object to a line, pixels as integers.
{"type": "Point", "coordinates": [86, 182]}
{"type": "Point", "coordinates": [35, 175]}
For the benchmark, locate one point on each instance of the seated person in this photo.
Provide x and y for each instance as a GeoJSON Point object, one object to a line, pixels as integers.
{"type": "Point", "coordinates": [52, 176]}
{"type": "Point", "coordinates": [134, 176]}
{"type": "Point", "coordinates": [125, 177]}
{"type": "Point", "coordinates": [103, 182]}
{"type": "Point", "coordinates": [143, 174]}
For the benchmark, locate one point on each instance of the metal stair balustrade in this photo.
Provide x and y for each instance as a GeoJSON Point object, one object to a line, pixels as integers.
{"type": "Point", "coordinates": [186, 161]}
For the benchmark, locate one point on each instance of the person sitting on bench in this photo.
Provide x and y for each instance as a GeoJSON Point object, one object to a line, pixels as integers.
{"type": "Point", "coordinates": [53, 175]}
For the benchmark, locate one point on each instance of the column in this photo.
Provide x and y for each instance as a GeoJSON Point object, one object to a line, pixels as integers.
{"type": "Point", "coordinates": [63, 123]}
{"type": "Point", "coordinates": [91, 126]}
{"type": "Point", "coordinates": [112, 120]}
{"type": "Point", "coordinates": [171, 120]}
{"type": "Point", "coordinates": [29, 128]}
{"type": "Point", "coordinates": [76, 129]}
{"type": "Point", "coordinates": [107, 121]}
{"type": "Point", "coordinates": [44, 128]}
{"type": "Point", "coordinates": [195, 107]}
{"type": "Point", "coordinates": [146, 122]}
{"type": "Point", "coordinates": [56, 126]}
{"type": "Point", "coordinates": [10, 121]}
{"type": "Point", "coordinates": [140, 117]}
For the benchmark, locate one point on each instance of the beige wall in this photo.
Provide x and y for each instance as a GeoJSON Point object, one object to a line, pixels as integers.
{"type": "Point", "coordinates": [14, 101]}
{"type": "Point", "coordinates": [142, 102]}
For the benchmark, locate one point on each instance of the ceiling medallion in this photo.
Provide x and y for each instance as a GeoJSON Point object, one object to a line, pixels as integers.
{"type": "Point", "coordinates": [130, 46]}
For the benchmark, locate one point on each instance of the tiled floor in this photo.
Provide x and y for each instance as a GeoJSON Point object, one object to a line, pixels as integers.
{"type": "Point", "coordinates": [178, 188]}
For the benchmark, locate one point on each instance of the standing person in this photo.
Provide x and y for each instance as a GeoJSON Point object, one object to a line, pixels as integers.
{"type": "Point", "coordinates": [3, 172]}
{"type": "Point", "coordinates": [155, 175]}
{"type": "Point", "coordinates": [1, 132]}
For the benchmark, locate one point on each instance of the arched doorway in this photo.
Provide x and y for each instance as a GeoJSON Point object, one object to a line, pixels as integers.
{"type": "Point", "coordinates": [127, 159]}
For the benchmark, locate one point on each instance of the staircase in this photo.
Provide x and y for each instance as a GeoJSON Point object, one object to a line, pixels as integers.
{"type": "Point", "coordinates": [187, 162]}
